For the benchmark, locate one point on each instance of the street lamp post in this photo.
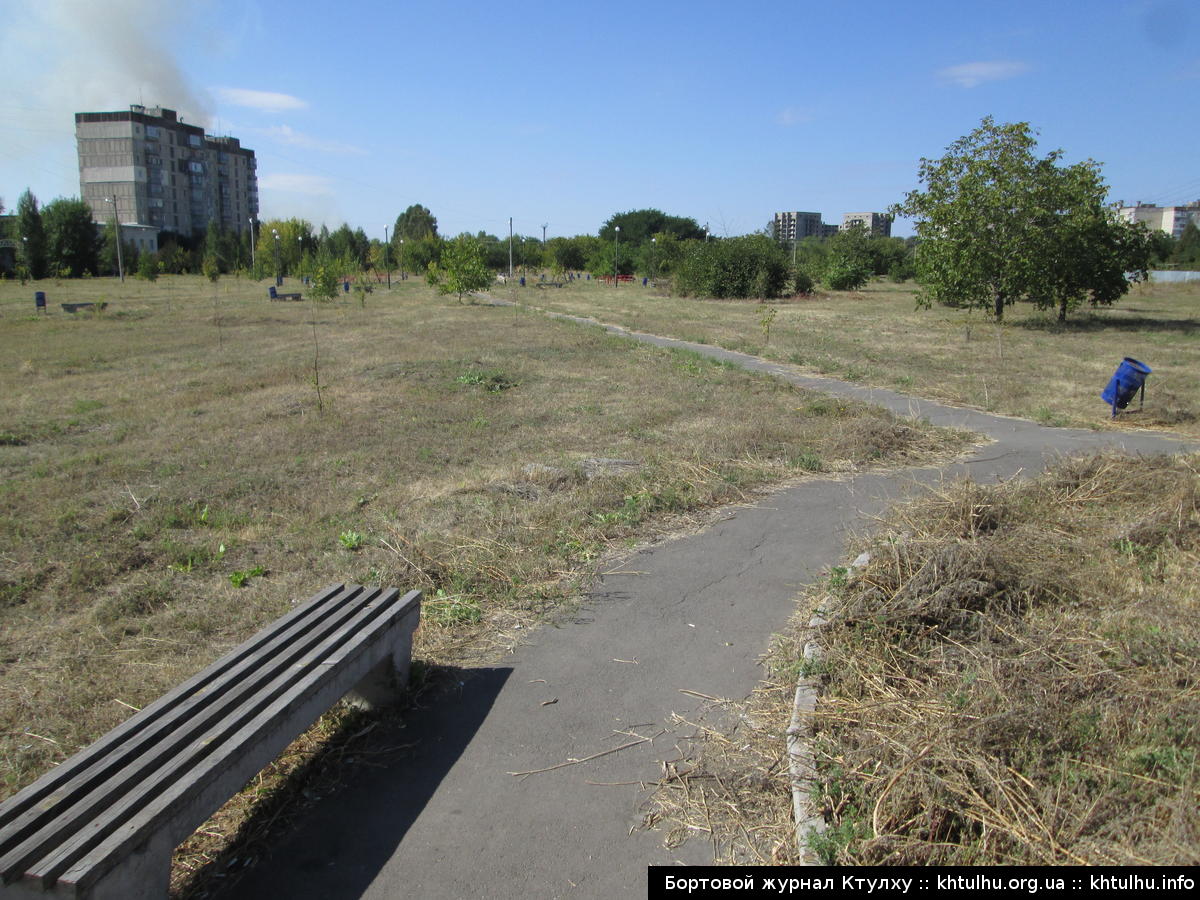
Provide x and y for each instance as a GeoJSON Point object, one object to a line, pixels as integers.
{"type": "Point", "coordinates": [653, 247]}
{"type": "Point", "coordinates": [251, 221]}
{"type": "Point", "coordinates": [616, 250]}
{"type": "Point", "coordinates": [387, 256]}
{"type": "Point", "coordinates": [117, 224]}
{"type": "Point", "coordinates": [278, 270]}
{"type": "Point", "coordinates": [403, 277]}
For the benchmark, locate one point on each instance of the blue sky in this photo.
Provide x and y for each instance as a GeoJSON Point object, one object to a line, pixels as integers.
{"type": "Point", "coordinates": [563, 113]}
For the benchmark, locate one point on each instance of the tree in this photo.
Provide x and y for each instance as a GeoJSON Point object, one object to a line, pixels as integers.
{"type": "Point", "coordinates": [32, 233]}
{"type": "Point", "coordinates": [1090, 253]}
{"type": "Point", "coordinates": [325, 282]}
{"type": "Point", "coordinates": [462, 268]}
{"type": "Point", "coordinates": [639, 225]}
{"type": "Point", "coordinates": [109, 260]}
{"type": "Point", "coordinates": [71, 243]}
{"type": "Point", "coordinates": [997, 224]}
{"type": "Point", "coordinates": [1187, 249]}
{"type": "Point", "coordinates": [418, 255]}
{"type": "Point", "coordinates": [414, 224]}
{"type": "Point", "coordinates": [147, 267]}
{"type": "Point", "coordinates": [295, 236]}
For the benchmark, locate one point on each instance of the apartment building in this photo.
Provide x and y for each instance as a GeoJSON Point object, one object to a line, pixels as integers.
{"type": "Point", "coordinates": [879, 224]}
{"type": "Point", "coordinates": [158, 171]}
{"type": "Point", "coordinates": [796, 226]}
{"type": "Point", "coordinates": [1171, 219]}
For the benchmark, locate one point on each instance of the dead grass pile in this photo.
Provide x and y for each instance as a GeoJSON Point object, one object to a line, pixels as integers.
{"type": "Point", "coordinates": [730, 785]}
{"type": "Point", "coordinates": [1013, 678]}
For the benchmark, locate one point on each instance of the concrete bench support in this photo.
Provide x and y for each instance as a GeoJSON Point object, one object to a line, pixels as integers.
{"type": "Point", "coordinates": [103, 824]}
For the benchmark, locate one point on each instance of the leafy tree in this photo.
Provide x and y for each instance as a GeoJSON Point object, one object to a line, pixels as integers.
{"type": "Point", "coordinates": [998, 224]}
{"type": "Point", "coordinates": [570, 254]}
{"type": "Point", "coordinates": [32, 233]}
{"type": "Point", "coordinates": [1163, 248]}
{"type": "Point", "coordinates": [1091, 254]}
{"type": "Point", "coordinates": [211, 267]}
{"type": "Point", "coordinates": [661, 254]}
{"type": "Point", "coordinates": [295, 236]}
{"type": "Point", "coordinates": [110, 262]}
{"type": "Point", "coordinates": [418, 255]}
{"type": "Point", "coordinates": [1187, 249]}
{"type": "Point", "coordinates": [172, 256]}
{"type": "Point", "coordinates": [603, 253]}
{"type": "Point", "coordinates": [71, 244]}
{"type": "Point", "coordinates": [325, 282]}
{"type": "Point", "coordinates": [639, 225]}
{"type": "Point", "coordinates": [147, 267]}
{"type": "Point", "coordinates": [462, 268]}
{"type": "Point", "coordinates": [414, 224]}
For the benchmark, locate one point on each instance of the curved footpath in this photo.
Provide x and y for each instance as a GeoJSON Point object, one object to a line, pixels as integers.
{"type": "Point", "coordinates": [683, 618]}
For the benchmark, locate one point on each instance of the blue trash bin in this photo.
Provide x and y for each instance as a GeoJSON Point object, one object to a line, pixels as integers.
{"type": "Point", "coordinates": [1129, 378]}
{"type": "Point", "coordinates": [346, 286]}
{"type": "Point", "coordinates": [522, 281]}
{"type": "Point", "coordinates": [39, 299]}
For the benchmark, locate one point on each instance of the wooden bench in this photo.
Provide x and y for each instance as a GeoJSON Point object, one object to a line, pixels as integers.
{"type": "Point", "coordinates": [76, 307]}
{"type": "Point", "coordinates": [104, 823]}
{"type": "Point", "coordinates": [275, 295]}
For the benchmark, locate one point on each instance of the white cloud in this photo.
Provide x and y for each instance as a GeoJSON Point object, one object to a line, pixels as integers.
{"type": "Point", "coordinates": [294, 183]}
{"type": "Point", "coordinates": [263, 101]}
{"type": "Point", "coordinates": [285, 134]}
{"type": "Point", "coordinates": [973, 74]}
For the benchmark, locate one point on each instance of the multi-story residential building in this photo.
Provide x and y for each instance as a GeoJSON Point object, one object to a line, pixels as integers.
{"type": "Point", "coordinates": [796, 226]}
{"type": "Point", "coordinates": [156, 170]}
{"type": "Point", "coordinates": [1171, 219]}
{"type": "Point", "coordinates": [879, 224]}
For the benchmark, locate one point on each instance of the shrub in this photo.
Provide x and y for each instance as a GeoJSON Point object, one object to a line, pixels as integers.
{"type": "Point", "coordinates": [802, 282]}
{"type": "Point", "coordinates": [843, 276]}
{"type": "Point", "coordinates": [750, 266]}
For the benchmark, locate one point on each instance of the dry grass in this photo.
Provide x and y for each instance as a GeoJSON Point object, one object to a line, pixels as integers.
{"type": "Point", "coordinates": [151, 453]}
{"type": "Point", "coordinates": [1031, 367]}
{"type": "Point", "coordinates": [730, 785]}
{"type": "Point", "coordinates": [1013, 678]}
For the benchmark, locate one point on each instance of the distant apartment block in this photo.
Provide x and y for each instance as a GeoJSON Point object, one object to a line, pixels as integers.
{"type": "Point", "coordinates": [796, 226]}
{"type": "Point", "coordinates": [878, 224]}
{"type": "Point", "coordinates": [162, 172]}
{"type": "Point", "coordinates": [1171, 219]}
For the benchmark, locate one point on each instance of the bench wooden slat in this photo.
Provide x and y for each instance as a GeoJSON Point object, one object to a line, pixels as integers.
{"type": "Point", "coordinates": [74, 825]}
{"type": "Point", "coordinates": [146, 718]}
{"type": "Point", "coordinates": [88, 772]}
{"type": "Point", "coordinates": [266, 735]}
{"type": "Point", "coordinates": [204, 720]}
{"type": "Point", "coordinates": [88, 794]}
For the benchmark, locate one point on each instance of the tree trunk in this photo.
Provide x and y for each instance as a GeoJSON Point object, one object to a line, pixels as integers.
{"type": "Point", "coordinates": [998, 310]}
{"type": "Point", "coordinates": [1062, 310]}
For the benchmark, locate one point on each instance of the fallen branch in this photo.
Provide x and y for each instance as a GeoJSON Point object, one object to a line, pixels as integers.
{"type": "Point", "coordinates": [576, 762]}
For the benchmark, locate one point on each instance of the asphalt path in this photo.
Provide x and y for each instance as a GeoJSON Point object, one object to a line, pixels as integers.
{"type": "Point", "coordinates": [674, 623]}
